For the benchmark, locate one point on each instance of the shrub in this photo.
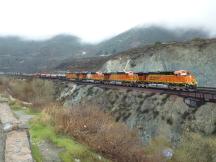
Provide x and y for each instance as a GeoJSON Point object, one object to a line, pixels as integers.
{"type": "Point", "coordinates": [98, 130]}
{"type": "Point", "coordinates": [196, 148]}
{"type": "Point", "coordinates": [156, 146]}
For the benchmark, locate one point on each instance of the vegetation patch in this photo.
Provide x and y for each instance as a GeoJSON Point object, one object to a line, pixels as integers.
{"type": "Point", "coordinates": [36, 91]}
{"type": "Point", "coordinates": [36, 152]}
{"type": "Point", "coordinates": [99, 130]}
{"type": "Point", "coordinates": [73, 150]}
{"type": "Point", "coordinates": [17, 106]}
{"type": "Point", "coordinates": [196, 148]}
{"type": "Point", "coordinates": [191, 148]}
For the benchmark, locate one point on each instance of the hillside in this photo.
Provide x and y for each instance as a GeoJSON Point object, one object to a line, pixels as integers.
{"type": "Point", "coordinates": [141, 36]}
{"type": "Point", "coordinates": [30, 56]}
{"type": "Point", "coordinates": [27, 56]}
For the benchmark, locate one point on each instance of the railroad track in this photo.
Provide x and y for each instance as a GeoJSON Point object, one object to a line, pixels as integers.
{"type": "Point", "coordinates": [192, 97]}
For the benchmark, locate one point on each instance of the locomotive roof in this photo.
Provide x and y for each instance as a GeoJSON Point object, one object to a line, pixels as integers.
{"type": "Point", "coordinates": [121, 72]}
{"type": "Point", "coordinates": [140, 73]}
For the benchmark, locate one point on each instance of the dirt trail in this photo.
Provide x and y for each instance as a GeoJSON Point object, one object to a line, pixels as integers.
{"type": "Point", "coordinates": [17, 147]}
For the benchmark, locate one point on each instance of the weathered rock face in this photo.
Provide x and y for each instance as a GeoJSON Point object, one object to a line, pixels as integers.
{"type": "Point", "coordinates": [152, 114]}
{"type": "Point", "coordinates": [199, 56]}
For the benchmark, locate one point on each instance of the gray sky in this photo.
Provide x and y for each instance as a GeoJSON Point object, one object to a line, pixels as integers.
{"type": "Point", "coordinates": [95, 20]}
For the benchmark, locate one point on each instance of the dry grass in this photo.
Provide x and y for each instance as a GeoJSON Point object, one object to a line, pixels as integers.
{"type": "Point", "coordinates": [98, 130]}
{"type": "Point", "coordinates": [4, 81]}
{"type": "Point", "coordinates": [36, 91]}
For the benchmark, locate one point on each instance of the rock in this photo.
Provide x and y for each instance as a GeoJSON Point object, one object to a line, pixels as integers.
{"type": "Point", "coordinates": [7, 127]}
{"type": "Point", "coordinates": [167, 153]}
{"type": "Point", "coordinates": [77, 160]}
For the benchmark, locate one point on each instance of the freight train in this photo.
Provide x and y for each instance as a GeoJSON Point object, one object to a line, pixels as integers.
{"type": "Point", "coordinates": [180, 80]}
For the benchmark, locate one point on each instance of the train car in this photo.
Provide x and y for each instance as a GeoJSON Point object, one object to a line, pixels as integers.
{"type": "Point", "coordinates": [76, 76]}
{"type": "Point", "coordinates": [122, 78]}
{"type": "Point", "coordinates": [82, 76]}
{"type": "Point", "coordinates": [72, 76]}
{"type": "Point", "coordinates": [95, 77]}
{"type": "Point", "coordinates": [175, 79]}
{"type": "Point", "coordinates": [61, 76]}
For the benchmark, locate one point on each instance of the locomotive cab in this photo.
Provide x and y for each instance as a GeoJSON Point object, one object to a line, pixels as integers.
{"type": "Point", "coordinates": [189, 78]}
{"type": "Point", "coordinates": [182, 73]}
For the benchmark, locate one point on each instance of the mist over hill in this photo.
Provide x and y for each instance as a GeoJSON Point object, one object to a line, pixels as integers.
{"type": "Point", "coordinates": [141, 36]}
{"type": "Point", "coordinates": [31, 56]}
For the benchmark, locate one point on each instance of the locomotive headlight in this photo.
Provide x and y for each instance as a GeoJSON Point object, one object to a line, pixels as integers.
{"type": "Point", "coordinates": [194, 82]}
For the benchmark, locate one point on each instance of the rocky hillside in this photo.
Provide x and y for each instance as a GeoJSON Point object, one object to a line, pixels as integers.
{"type": "Point", "coordinates": [198, 55]}
{"type": "Point", "coordinates": [152, 114]}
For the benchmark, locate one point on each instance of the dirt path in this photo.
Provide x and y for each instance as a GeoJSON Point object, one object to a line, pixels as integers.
{"type": "Point", "coordinates": [17, 147]}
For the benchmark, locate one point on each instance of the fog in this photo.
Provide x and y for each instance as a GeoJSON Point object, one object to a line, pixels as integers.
{"type": "Point", "coordinates": [96, 20]}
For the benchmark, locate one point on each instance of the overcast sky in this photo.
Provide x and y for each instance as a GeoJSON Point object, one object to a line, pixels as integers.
{"type": "Point", "coordinates": [95, 20]}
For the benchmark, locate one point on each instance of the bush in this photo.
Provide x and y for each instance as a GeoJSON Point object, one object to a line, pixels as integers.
{"type": "Point", "coordinates": [196, 148]}
{"type": "Point", "coordinates": [98, 130]}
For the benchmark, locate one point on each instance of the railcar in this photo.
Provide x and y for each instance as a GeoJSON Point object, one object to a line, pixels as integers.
{"type": "Point", "coordinates": [71, 76]}
{"type": "Point", "coordinates": [122, 78]}
{"type": "Point", "coordinates": [97, 77]}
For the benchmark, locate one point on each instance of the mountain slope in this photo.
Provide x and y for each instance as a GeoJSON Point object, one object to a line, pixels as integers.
{"type": "Point", "coordinates": [137, 37]}
{"type": "Point", "coordinates": [20, 55]}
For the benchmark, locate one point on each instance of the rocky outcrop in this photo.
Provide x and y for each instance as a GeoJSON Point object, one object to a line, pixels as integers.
{"type": "Point", "coordinates": [198, 56]}
{"type": "Point", "coordinates": [152, 114]}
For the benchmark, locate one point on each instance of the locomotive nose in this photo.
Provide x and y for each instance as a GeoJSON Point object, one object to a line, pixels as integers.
{"type": "Point", "coordinates": [194, 82]}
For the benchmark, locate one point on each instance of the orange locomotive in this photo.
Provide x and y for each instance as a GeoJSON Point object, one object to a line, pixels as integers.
{"type": "Point", "coordinates": [181, 79]}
